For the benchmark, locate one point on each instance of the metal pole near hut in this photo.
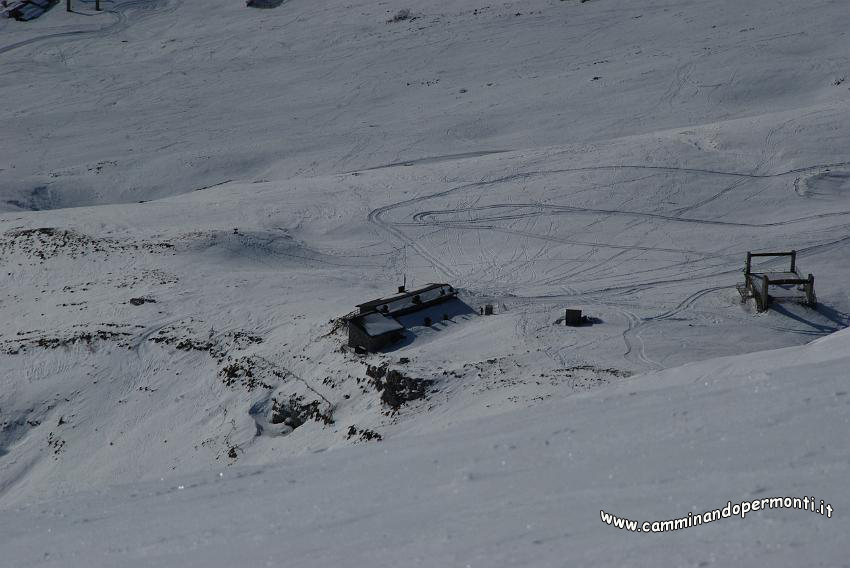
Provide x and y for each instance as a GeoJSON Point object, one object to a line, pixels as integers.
{"type": "Point", "coordinates": [97, 5]}
{"type": "Point", "coordinates": [68, 5]}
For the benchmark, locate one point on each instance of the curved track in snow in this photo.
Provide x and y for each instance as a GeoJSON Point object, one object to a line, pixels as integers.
{"type": "Point", "coordinates": [430, 217]}
{"type": "Point", "coordinates": [525, 222]}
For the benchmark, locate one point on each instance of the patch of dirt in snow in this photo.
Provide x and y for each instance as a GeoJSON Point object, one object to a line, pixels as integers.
{"type": "Point", "coordinates": [47, 242]}
{"type": "Point", "coordinates": [81, 334]}
{"type": "Point", "coordinates": [250, 372]}
{"type": "Point", "coordinates": [495, 374]}
{"type": "Point", "coordinates": [288, 413]}
{"type": "Point", "coordinates": [185, 337]}
{"type": "Point", "coordinates": [294, 412]}
{"type": "Point", "coordinates": [397, 388]}
{"type": "Point", "coordinates": [362, 434]}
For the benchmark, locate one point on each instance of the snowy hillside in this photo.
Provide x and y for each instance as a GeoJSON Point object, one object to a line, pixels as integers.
{"type": "Point", "coordinates": [193, 195]}
{"type": "Point", "coordinates": [522, 489]}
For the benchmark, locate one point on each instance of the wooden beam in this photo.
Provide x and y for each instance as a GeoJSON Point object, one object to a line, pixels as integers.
{"type": "Point", "coordinates": [787, 253]}
{"type": "Point", "coordinates": [811, 299]}
{"type": "Point", "coordinates": [764, 294]}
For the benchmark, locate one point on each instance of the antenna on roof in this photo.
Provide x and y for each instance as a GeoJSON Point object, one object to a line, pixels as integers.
{"type": "Point", "coordinates": [403, 286]}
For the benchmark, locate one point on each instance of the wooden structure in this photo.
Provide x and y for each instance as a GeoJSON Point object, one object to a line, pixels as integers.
{"type": "Point", "coordinates": [374, 327]}
{"type": "Point", "coordinates": [25, 10]}
{"type": "Point", "coordinates": [406, 302]}
{"type": "Point", "coordinates": [757, 284]}
{"type": "Point", "coordinates": [373, 332]}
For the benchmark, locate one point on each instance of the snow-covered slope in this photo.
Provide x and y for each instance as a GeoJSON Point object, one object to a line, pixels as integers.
{"type": "Point", "coordinates": [193, 195]}
{"type": "Point", "coordinates": [521, 489]}
{"type": "Point", "coordinates": [159, 97]}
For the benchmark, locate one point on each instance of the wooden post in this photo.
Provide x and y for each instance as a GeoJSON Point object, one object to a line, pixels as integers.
{"type": "Point", "coordinates": [793, 261]}
{"type": "Point", "coordinates": [749, 263]}
{"type": "Point", "coordinates": [765, 296]}
{"type": "Point", "coordinates": [68, 5]}
{"type": "Point", "coordinates": [97, 5]}
{"type": "Point", "coordinates": [811, 299]}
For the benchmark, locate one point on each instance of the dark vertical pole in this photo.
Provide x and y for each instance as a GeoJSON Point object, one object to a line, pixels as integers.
{"type": "Point", "coordinates": [97, 5]}
{"type": "Point", "coordinates": [793, 261]}
{"type": "Point", "coordinates": [749, 260]}
{"type": "Point", "coordinates": [68, 5]}
{"type": "Point", "coordinates": [765, 294]}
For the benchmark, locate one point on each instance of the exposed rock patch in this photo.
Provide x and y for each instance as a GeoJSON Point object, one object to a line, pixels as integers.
{"type": "Point", "coordinates": [396, 388]}
{"type": "Point", "coordinates": [47, 242]}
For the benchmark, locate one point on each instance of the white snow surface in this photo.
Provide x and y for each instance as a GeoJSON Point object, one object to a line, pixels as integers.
{"type": "Point", "coordinates": [521, 489]}
{"type": "Point", "coordinates": [247, 176]}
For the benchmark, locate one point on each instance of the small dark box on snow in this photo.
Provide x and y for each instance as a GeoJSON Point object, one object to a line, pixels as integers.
{"type": "Point", "coordinates": [573, 318]}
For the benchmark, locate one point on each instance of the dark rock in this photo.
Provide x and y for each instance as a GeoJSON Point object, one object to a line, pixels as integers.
{"type": "Point", "coordinates": [295, 413]}
{"type": "Point", "coordinates": [398, 389]}
{"type": "Point", "coordinates": [376, 372]}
